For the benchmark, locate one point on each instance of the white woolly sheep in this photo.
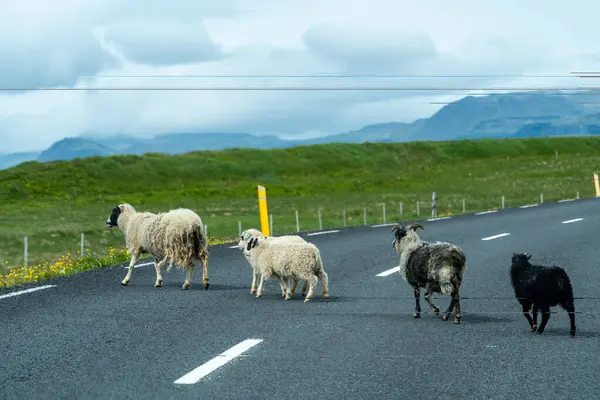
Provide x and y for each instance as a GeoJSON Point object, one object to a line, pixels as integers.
{"type": "Point", "coordinates": [438, 267]}
{"type": "Point", "coordinates": [282, 259]}
{"type": "Point", "coordinates": [243, 243]}
{"type": "Point", "coordinates": [175, 236]}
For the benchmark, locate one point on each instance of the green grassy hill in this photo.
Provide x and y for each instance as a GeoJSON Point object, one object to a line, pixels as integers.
{"type": "Point", "coordinates": [52, 203]}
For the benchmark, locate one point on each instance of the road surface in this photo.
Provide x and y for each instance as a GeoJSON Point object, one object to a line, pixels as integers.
{"type": "Point", "coordinates": [89, 337]}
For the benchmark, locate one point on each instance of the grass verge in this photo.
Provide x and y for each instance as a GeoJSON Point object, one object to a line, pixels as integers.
{"type": "Point", "coordinates": [53, 203]}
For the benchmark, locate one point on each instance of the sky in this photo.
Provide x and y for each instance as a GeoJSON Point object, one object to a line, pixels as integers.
{"type": "Point", "coordinates": [115, 44]}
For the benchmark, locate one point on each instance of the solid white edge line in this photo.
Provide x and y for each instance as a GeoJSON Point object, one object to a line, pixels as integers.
{"type": "Point", "coordinates": [562, 201]}
{"type": "Point", "coordinates": [140, 265]}
{"type": "Point", "coordinates": [495, 236]}
{"type": "Point", "coordinates": [389, 271]}
{"type": "Point", "coordinates": [322, 233]}
{"type": "Point", "coordinates": [572, 220]}
{"type": "Point", "coordinates": [34, 289]}
{"type": "Point", "coordinates": [529, 205]}
{"type": "Point", "coordinates": [486, 212]}
{"type": "Point", "coordinates": [381, 225]}
{"type": "Point", "coordinates": [198, 373]}
{"type": "Point", "coordinates": [233, 247]}
{"type": "Point", "coordinates": [438, 219]}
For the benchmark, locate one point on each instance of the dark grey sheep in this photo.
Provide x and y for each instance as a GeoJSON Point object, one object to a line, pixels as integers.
{"type": "Point", "coordinates": [438, 267]}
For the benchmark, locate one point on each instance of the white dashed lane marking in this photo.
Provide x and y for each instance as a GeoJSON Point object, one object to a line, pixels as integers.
{"type": "Point", "coordinates": [572, 220]}
{"type": "Point", "coordinates": [195, 375]}
{"type": "Point", "coordinates": [495, 236]}
{"type": "Point", "coordinates": [389, 271]}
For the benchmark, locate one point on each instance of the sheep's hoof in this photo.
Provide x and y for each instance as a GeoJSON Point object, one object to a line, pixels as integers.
{"type": "Point", "coordinates": [416, 315]}
{"type": "Point", "coordinates": [325, 297]}
{"type": "Point", "coordinates": [185, 286]}
{"type": "Point", "coordinates": [124, 283]}
{"type": "Point", "coordinates": [158, 284]}
{"type": "Point", "coordinates": [445, 317]}
{"type": "Point", "coordinates": [206, 286]}
{"type": "Point", "coordinates": [533, 328]}
{"type": "Point", "coordinates": [306, 300]}
{"type": "Point", "coordinates": [457, 320]}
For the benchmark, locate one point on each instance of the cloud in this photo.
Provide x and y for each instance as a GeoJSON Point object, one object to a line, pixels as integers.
{"type": "Point", "coordinates": [110, 44]}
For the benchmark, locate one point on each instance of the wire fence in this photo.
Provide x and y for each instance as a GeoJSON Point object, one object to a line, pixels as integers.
{"type": "Point", "coordinates": [324, 218]}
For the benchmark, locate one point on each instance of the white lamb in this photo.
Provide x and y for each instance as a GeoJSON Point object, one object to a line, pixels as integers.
{"type": "Point", "coordinates": [176, 236]}
{"type": "Point", "coordinates": [280, 259]}
{"type": "Point", "coordinates": [254, 233]}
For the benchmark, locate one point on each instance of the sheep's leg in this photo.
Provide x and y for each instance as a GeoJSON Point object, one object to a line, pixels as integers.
{"type": "Point", "coordinates": [284, 282]}
{"type": "Point", "coordinates": [570, 307]}
{"type": "Point", "coordinates": [456, 298]}
{"type": "Point", "coordinates": [158, 266]}
{"type": "Point", "coordinates": [454, 303]}
{"type": "Point", "coordinates": [311, 291]}
{"type": "Point", "coordinates": [295, 286]}
{"type": "Point", "coordinates": [432, 306]}
{"type": "Point", "coordinates": [322, 275]}
{"type": "Point", "coordinates": [204, 271]}
{"type": "Point", "coordinates": [417, 293]}
{"type": "Point", "coordinates": [304, 288]}
{"type": "Point", "coordinates": [254, 281]}
{"type": "Point", "coordinates": [135, 255]}
{"type": "Point", "coordinates": [260, 290]}
{"type": "Point", "coordinates": [545, 318]}
{"type": "Point", "coordinates": [188, 276]}
{"type": "Point", "coordinates": [534, 324]}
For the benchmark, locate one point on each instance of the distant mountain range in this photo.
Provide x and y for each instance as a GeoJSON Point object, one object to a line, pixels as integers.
{"type": "Point", "coordinates": [513, 115]}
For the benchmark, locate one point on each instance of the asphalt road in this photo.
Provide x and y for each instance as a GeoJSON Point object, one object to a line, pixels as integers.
{"type": "Point", "coordinates": [90, 337]}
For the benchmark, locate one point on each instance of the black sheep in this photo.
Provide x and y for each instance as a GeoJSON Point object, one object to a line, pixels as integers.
{"type": "Point", "coordinates": [541, 287]}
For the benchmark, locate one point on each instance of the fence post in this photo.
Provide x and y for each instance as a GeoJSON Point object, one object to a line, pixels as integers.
{"type": "Point", "coordinates": [418, 210]}
{"type": "Point", "coordinates": [434, 205]}
{"type": "Point", "coordinates": [320, 220]}
{"type": "Point", "coordinates": [400, 210]}
{"type": "Point", "coordinates": [26, 252]}
{"type": "Point", "coordinates": [365, 215]}
{"type": "Point", "coordinates": [464, 209]}
{"type": "Point", "coordinates": [502, 201]}
{"type": "Point", "coordinates": [240, 227]}
{"type": "Point", "coordinates": [344, 217]}
{"type": "Point", "coordinates": [297, 222]}
{"type": "Point", "coordinates": [206, 229]}
{"type": "Point", "coordinates": [384, 219]}
{"type": "Point", "coordinates": [577, 195]}
{"type": "Point", "coordinates": [271, 224]}
{"type": "Point", "coordinates": [82, 244]}
{"type": "Point", "coordinates": [541, 198]}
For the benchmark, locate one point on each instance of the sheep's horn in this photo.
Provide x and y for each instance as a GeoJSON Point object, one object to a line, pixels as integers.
{"type": "Point", "coordinates": [414, 226]}
{"type": "Point", "coordinates": [396, 227]}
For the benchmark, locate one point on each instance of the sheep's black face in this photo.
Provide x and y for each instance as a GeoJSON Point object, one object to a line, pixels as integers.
{"type": "Point", "coordinates": [252, 244]}
{"type": "Point", "coordinates": [399, 234]}
{"type": "Point", "coordinates": [520, 257]}
{"type": "Point", "coordinates": [114, 216]}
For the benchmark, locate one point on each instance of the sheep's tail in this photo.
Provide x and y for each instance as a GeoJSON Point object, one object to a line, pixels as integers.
{"type": "Point", "coordinates": [451, 274]}
{"type": "Point", "coordinates": [564, 283]}
{"type": "Point", "coordinates": [200, 242]}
